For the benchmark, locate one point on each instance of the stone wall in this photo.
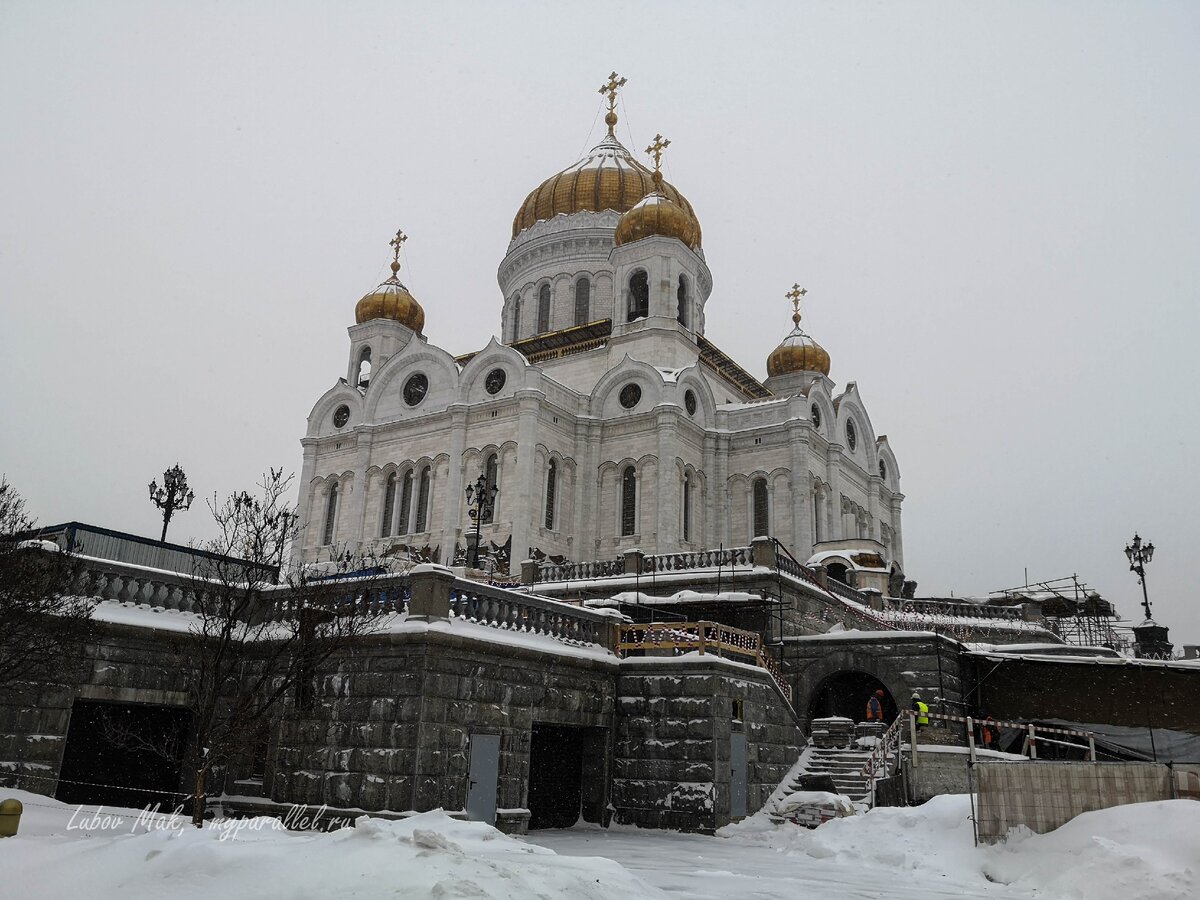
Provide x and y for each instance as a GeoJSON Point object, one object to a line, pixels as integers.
{"type": "Point", "coordinates": [390, 725]}
{"type": "Point", "coordinates": [128, 665]}
{"type": "Point", "coordinates": [671, 765]}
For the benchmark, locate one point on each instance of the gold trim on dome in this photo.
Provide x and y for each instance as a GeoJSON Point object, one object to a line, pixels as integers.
{"type": "Point", "coordinates": [798, 352]}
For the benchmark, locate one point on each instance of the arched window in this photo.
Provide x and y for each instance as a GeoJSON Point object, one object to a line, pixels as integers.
{"type": "Point", "coordinates": [543, 309]}
{"type": "Point", "coordinates": [551, 491]}
{"type": "Point", "coordinates": [516, 317]}
{"type": "Point", "coordinates": [761, 516]}
{"type": "Point", "coordinates": [583, 301]}
{"type": "Point", "coordinates": [405, 502]}
{"type": "Point", "coordinates": [687, 506]}
{"type": "Point", "coordinates": [423, 499]}
{"type": "Point", "coordinates": [681, 295]}
{"type": "Point", "coordinates": [389, 505]}
{"type": "Point", "coordinates": [491, 471]}
{"type": "Point", "coordinates": [639, 296]}
{"type": "Point", "coordinates": [330, 514]}
{"type": "Point", "coordinates": [364, 367]}
{"type": "Point", "coordinates": [628, 502]}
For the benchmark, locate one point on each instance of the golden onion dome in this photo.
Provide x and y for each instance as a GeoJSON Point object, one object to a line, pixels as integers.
{"type": "Point", "coordinates": [798, 353]}
{"type": "Point", "coordinates": [607, 178]}
{"type": "Point", "coordinates": [391, 300]}
{"type": "Point", "coordinates": [656, 214]}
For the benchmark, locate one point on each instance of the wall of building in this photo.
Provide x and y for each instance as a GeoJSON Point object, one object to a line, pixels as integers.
{"type": "Point", "coordinates": [671, 765]}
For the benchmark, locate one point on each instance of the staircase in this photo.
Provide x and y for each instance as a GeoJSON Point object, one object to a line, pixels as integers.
{"type": "Point", "coordinates": [845, 767]}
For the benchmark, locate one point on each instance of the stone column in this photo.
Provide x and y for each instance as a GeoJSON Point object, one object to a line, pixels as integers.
{"type": "Point", "coordinates": [834, 470]}
{"type": "Point", "coordinates": [721, 532]}
{"type": "Point", "coordinates": [430, 598]}
{"type": "Point", "coordinates": [874, 488]}
{"type": "Point", "coordinates": [897, 539]}
{"type": "Point", "coordinates": [452, 503]}
{"type": "Point", "coordinates": [669, 501]}
{"type": "Point", "coordinates": [587, 489]}
{"type": "Point", "coordinates": [307, 535]}
{"type": "Point", "coordinates": [802, 537]}
{"type": "Point", "coordinates": [527, 482]}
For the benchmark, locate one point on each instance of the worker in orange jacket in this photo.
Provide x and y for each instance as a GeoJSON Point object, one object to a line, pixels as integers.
{"type": "Point", "coordinates": [875, 707]}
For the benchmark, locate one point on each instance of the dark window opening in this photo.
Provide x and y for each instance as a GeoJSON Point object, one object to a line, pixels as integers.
{"type": "Point", "coordinates": [761, 515]}
{"type": "Point", "coordinates": [583, 301]}
{"type": "Point", "coordinates": [330, 515]}
{"type": "Point", "coordinates": [681, 295]}
{"type": "Point", "coordinates": [628, 502]}
{"type": "Point", "coordinates": [639, 296]}
{"type": "Point", "coordinates": [516, 318]}
{"type": "Point", "coordinates": [406, 501]}
{"type": "Point", "coordinates": [491, 471]}
{"type": "Point", "coordinates": [543, 323]}
{"type": "Point", "coordinates": [389, 504]}
{"type": "Point", "coordinates": [423, 499]}
{"type": "Point", "coordinates": [551, 489]}
{"type": "Point", "coordinates": [687, 507]}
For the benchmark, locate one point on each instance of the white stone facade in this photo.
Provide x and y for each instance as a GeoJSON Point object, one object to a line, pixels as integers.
{"type": "Point", "coordinates": [694, 463]}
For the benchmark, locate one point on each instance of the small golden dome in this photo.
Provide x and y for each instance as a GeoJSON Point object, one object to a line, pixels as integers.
{"type": "Point", "coordinates": [607, 178]}
{"type": "Point", "coordinates": [655, 214]}
{"type": "Point", "coordinates": [391, 300]}
{"type": "Point", "coordinates": [798, 353]}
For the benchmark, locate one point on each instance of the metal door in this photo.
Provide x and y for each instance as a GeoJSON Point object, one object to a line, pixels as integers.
{"type": "Point", "coordinates": [737, 775]}
{"type": "Point", "coordinates": [484, 772]}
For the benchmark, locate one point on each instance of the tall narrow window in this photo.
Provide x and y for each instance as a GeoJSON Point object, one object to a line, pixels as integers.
{"type": "Point", "coordinates": [516, 318]}
{"type": "Point", "coordinates": [681, 296]}
{"type": "Point", "coordinates": [330, 514]}
{"type": "Point", "coordinates": [687, 506]}
{"type": "Point", "coordinates": [583, 301]}
{"type": "Point", "coordinates": [423, 499]}
{"type": "Point", "coordinates": [551, 490]}
{"type": "Point", "coordinates": [364, 367]}
{"type": "Point", "coordinates": [816, 508]}
{"type": "Point", "coordinates": [628, 502]}
{"type": "Point", "coordinates": [492, 472]}
{"type": "Point", "coordinates": [543, 309]}
{"type": "Point", "coordinates": [389, 505]}
{"type": "Point", "coordinates": [639, 296]}
{"type": "Point", "coordinates": [761, 519]}
{"type": "Point", "coordinates": [405, 502]}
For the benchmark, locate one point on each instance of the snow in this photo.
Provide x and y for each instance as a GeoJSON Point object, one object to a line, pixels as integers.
{"type": "Point", "coordinates": [1145, 851]}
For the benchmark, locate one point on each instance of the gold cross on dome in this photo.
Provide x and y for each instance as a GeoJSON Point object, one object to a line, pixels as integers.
{"type": "Point", "coordinates": [614, 84]}
{"type": "Point", "coordinates": [656, 150]}
{"type": "Point", "coordinates": [396, 243]}
{"type": "Point", "coordinates": [795, 295]}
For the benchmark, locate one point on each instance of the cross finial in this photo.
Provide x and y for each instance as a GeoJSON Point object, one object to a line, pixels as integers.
{"type": "Point", "coordinates": [795, 295]}
{"type": "Point", "coordinates": [656, 150]}
{"type": "Point", "coordinates": [610, 87]}
{"type": "Point", "coordinates": [396, 243]}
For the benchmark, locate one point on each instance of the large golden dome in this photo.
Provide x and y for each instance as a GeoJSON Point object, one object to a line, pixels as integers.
{"type": "Point", "coordinates": [607, 178]}
{"type": "Point", "coordinates": [656, 214]}
{"type": "Point", "coordinates": [391, 300]}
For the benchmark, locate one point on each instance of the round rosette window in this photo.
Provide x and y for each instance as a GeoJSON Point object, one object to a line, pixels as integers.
{"type": "Point", "coordinates": [341, 416]}
{"type": "Point", "coordinates": [415, 389]}
{"type": "Point", "coordinates": [631, 395]}
{"type": "Point", "coordinates": [494, 383]}
{"type": "Point", "coordinates": [689, 402]}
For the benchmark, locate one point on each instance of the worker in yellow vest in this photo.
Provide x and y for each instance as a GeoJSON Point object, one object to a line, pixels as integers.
{"type": "Point", "coordinates": [921, 709]}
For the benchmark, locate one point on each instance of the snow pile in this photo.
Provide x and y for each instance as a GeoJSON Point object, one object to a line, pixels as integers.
{"type": "Point", "coordinates": [428, 855]}
{"type": "Point", "coordinates": [1143, 851]}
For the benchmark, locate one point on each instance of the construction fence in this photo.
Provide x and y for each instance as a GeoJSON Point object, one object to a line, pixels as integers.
{"type": "Point", "coordinates": [1042, 796]}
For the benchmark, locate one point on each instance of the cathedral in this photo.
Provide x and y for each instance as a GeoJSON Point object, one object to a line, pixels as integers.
{"type": "Point", "coordinates": [602, 417]}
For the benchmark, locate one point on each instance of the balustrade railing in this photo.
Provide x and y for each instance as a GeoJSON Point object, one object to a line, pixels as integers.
{"type": "Point", "coordinates": [703, 637]}
{"type": "Point", "coordinates": [132, 584]}
{"type": "Point", "coordinates": [962, 610]}
{"type": "Point", "coordinates": [581, 571]}
{"type": "Point", "coordinates": [728, 557]}
{"type": "Point", "coordinates": [521, 613]}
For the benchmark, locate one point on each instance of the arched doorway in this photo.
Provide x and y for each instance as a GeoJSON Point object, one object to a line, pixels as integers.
{"type": "Point", "coordinates": [846, 693]}
{"type": "Point", "coordinates": [838, 572]}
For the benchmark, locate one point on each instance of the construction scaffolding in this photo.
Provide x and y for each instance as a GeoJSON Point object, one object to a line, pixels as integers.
{"type": "Point", "coordinates": [1073, 611]}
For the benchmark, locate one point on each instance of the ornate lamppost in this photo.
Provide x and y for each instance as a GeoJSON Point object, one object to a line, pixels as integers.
{"type": "Point", "coordinates": [1139, 555]}
{"type": "Point", "coordinates": [174, 495]}
{"type": "Point", "coordinates": [481, 499]}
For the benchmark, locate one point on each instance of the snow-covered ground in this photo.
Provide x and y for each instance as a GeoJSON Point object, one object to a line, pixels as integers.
{"type": "Point", "coordinates": [1148, 851]}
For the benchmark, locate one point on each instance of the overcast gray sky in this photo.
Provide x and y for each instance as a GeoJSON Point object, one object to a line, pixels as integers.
{"type": "Point", "coordinates": [995, 208]}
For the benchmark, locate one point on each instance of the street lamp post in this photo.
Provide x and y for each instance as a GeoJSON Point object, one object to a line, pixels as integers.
{"type": "Point", "coordinates": [174, 495]}
{"type": "Point", "coordinates": [481, 498]}
{"type": "Point", "coordinates": [1139, 555]}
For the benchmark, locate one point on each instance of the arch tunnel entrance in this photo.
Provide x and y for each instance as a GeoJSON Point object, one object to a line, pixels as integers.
{"type": "Point", "coordinates": [846, 694]}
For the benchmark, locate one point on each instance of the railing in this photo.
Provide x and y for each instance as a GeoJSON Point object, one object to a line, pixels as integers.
{"type": "Point", "coordinates": [962, 610]}
{"type": "Point", "coordinates": [728, 557]}
{"type": "Point", "coordinates": [703, 637]}
{"type": "Point", "coordinates": [521, 613]}
{"type": "Point", "coordinates": [581, 571]}
{"type": "Point", "coordinates": [132, 584]}
{"type": "Point", "coordinates": [885, 757]}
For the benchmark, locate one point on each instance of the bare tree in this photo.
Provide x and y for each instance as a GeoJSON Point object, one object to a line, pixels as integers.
{"type": "Point", "coordinates": [43, 626]}
{"type": "Point", "coordinates": [262, 628]}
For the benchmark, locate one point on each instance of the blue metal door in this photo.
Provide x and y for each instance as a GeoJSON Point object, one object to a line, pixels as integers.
{"type": "Point", "coordinates": [483, 774]}
{"type": "Point", "coordinates": [737, 775]}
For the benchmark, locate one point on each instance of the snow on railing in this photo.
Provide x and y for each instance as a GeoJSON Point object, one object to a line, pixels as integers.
{"type": "Point", "coordinates": [703, 637]}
